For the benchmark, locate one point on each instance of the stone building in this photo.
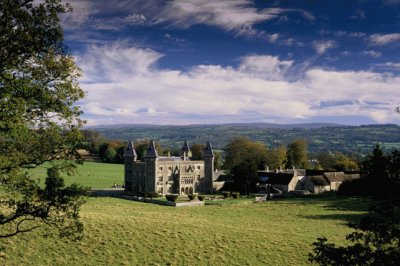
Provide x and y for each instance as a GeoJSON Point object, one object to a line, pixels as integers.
{"type": "Point", "coordinates": [168, 175]}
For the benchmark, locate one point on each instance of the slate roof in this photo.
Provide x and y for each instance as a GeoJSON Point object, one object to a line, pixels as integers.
{"type": "Point", "coordinates": [151, 150]}
{"type": "Point", "coordinates": [319, 180]}
{"type": "Point", "coordinates": [208, 151]}
{"type": "Point", "coordinates": [277, 178]}
{"type": "Point", "coordinates": [130, 151]}
{"type": "Point", "coordinates": [334, 176]}
{"type": "Point", "coordinates": [185, 148]}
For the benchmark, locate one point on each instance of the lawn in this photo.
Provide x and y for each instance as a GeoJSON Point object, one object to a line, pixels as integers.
{"type": "Point", "coordinates": [90, 174]}
{"type": "Point", "coordinates": [122, 232]}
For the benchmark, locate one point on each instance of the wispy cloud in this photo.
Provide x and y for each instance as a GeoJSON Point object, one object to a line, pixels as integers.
{"type": "Point", "coordinates": [125, 85]}
{"type": "Point", "coordinates": [372, 53]}
{"type": "Point", "coordinates": [238, 16]}
{"type": "Point", "coordinates": [383, 39]}
{"type": "Point", "coordinates": [389, 65]}
{"type": "Point", "coordinates": [322, 46]}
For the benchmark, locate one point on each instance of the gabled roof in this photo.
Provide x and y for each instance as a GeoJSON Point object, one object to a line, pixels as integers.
{"type": "Point", "coordinates": [334, 176]}
{"type": "Point", "coordinates": [319, 180]}
{"type": "Point", "coordinates": [130, 151]}
{"type": "Point", "coordinates": [151, 150]}
{"type": "Point", "coordinates": [208, 152]}
{"type": "Point", "coordinates": [279, 178]}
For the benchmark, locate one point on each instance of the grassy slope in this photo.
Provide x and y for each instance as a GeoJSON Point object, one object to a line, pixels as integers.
{"type": "Point", "coordinates": [90, 174]}
{"type": "Point", "coordinates": [121, 232]}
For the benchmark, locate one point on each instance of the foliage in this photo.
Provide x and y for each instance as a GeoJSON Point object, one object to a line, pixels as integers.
{"type": "Point", "coordinates": [243, 158]}
{"type": "Point", "coordinates": [242, 149]}
{"type": "Point", "coordinates": [277, 157]}
{"type": "Point", "coordinates": [245, 176]}
{"type": "Point", "coordinates": [382, 173]}
{"type": "Point", "coordinates": [201, 197]}
{"type": "Point", "coordinates": [296, 154]}
{"type": "Point", "coordinates": [336, 162]}
{"type": "Point", "coordinates": [171, 197]}
{"type": "Point", "coordinates": [191, 196]}
{"type": "Point", "coordinates": [235, 195]}
{"type": "Point", "coordinates": [217, 160]}
{"type": "Point", "coordinates": [226, 194]}
{"type": "Point", "coordinates": [320, 138]}
{"type": "Point", "coordinates": [55, 206]}
{"type": "Point", "coordinates": [39, 120]}
{"type": "Point", "coordinates": [197, 151]}
{"type": "Point", "coordinates": [376, 241]}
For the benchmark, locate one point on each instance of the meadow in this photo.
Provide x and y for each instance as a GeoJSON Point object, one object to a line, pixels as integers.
{"type": "Point", "coordinates": [123, 232]}
{"type": "Point", "coordinates": [89, 174]}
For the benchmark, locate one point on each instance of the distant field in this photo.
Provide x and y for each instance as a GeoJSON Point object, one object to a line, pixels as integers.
{"type": "Point", "coordinates": [90, 174]}
{"type": "Point", "coordinates": [121, 232]}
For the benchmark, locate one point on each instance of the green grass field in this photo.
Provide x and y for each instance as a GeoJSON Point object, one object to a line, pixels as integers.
{"type": "Point", "coordinates": [235, 232]}
{"type": "Point", "coordinates": [90, 174]}
{"type": "Point", "coordinates": [121, 232]}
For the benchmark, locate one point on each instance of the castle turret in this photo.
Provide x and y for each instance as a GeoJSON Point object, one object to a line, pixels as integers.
{"type": "Point", "coordinates": [208, 157]}
{"type": "Point", "coordinates": [130, 157]}
{"type": "Point", "coordinates": [130, 153]}
{"type": "Point", "coordinates": [151, 165]}
{"type": "Point", "coordinates": [185, 153]}
{"type": "Point", "coordinates": [151, 151]}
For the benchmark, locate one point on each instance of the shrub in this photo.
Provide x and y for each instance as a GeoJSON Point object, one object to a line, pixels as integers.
{"type": "Point", "coordinates": [191, 196]}
{"type": "Point", "coordinates": [235, 195]}
{"type": "Point", "coordinates": [171, 197]}
{"type": "Point", "coordinates": [226, 194]}
{"type": "Point", "coordinates": [201, 197]}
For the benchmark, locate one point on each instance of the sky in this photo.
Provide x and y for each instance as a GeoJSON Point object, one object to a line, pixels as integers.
{"type": "Point", "coordinates": [237, 61]}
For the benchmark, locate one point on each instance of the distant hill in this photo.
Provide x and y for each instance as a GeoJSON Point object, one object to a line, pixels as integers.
{"type": "Point", "coordinates": [320, 136]}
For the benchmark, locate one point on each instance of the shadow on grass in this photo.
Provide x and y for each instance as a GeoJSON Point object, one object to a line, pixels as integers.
{"type": "Point", "coordinates": [106, 192]}
{"type": "Point", "coordinates": [346, 218]}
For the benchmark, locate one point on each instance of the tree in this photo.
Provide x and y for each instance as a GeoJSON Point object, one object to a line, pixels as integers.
{"type": "Point", "coordinates": [243, 158]}
{"type": "Point", "coordinates": [277, 157]}
{"type": "Point", "coordinates": [245, 176]}
{"type": "Point", "coordinates": [197, 151]}
{"type": "Point", "coordinates": [296, 155]}
{"type": "Point", "coordinates": [375, 241]}
{"type": "Point", "coordinates": [241, 149]}
{"type": "Point", "coordinates": [39, 120]}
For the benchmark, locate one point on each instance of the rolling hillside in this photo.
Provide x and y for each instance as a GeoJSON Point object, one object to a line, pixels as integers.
{"type": "Point", "coordinates": [320, 137]}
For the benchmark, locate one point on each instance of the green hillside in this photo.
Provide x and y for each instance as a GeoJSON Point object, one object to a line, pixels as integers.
{"type": "Point", "coordinates": [320, 137]}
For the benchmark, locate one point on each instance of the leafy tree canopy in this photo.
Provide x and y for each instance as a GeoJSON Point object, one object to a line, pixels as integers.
{"type": "Point", "coordinates": [39, 120]}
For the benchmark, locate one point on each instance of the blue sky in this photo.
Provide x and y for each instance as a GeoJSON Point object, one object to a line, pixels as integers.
{"type": "Point", "coordinates": [195, 62]}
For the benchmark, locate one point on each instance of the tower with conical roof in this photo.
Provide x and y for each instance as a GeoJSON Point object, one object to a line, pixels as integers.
{"type": "Point", "coordinates": [130, 157]}
{"type": "Point", "coordinates": [150, 160]}
{"type": "Point", "coordinates": [208, 157]}
{"type": "Point", "coordinates": [185, 153]}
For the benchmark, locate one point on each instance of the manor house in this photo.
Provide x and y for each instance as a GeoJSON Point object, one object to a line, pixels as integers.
{"type": "Point", "coordinates": [168, 175]}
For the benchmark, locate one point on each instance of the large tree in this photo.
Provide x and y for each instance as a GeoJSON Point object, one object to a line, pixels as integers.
{"type": "Point", "coordinates": [296, 155]}
{"type": "Point", "coordinates": [39, 119]}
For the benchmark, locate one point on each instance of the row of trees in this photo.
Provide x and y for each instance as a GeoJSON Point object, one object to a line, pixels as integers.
{"type": "Point", "coordinates": [244, 157]}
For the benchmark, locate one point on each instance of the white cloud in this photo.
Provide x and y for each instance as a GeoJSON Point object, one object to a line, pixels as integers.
{"type": "Point", "coordinates": [383, 39]}
{"type": "Point", "coordinates": [238, 16]}
{"type": "Point", "coordinates": [322, 46]}
{"type": "Point", "coordinates": [136, 19]}
{"type": "Point", "coordinates": [124, 85]}
{"type": "Point", "coordinates": [372, 53]}
{"type": "Point", "coordinates": [389, 65]}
